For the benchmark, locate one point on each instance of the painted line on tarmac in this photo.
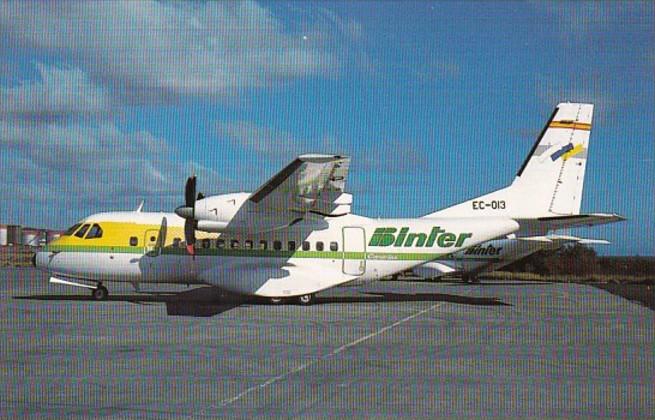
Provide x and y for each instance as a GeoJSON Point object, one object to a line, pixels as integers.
{"type": "Point", "coordinates": [305, 365]}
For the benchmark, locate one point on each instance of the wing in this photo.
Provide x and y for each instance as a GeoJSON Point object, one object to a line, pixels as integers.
{"type": "Point", "coordinates": [311, 184]}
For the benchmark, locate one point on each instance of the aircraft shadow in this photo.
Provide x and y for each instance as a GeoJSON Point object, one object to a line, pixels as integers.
{"type": "Point", "coordinates": [200, 302]}
{"type": "Point", "coordinates": [498, 283]}
{"type": "Point", "coordinates": [209, 301]}
{"type": "Point", "coordinates": [375, 297]}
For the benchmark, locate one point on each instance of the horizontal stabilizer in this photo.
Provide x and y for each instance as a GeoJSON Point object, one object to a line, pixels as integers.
{"type": "Point", "coordinates": [580, 220]}
{"type": "Point", "coordinates": [560, 240]}
{"type": "Point", "coordinates": [543, 239]}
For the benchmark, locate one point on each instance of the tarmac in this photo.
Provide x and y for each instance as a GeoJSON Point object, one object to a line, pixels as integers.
{"type": "Point", "coordinates": [382, 350]}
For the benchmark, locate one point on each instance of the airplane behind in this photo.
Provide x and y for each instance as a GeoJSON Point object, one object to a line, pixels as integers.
{"type": "Point", "coordinates": [295, 235]}
{"type": "Point", "coordinates": [495, 254]}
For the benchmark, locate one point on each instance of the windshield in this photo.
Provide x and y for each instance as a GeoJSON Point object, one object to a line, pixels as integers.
{"type": "Point", "coordinates": [72, 229]}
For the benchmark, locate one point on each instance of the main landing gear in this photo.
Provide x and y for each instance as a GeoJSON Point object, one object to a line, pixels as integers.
{"type": "Point", "coordinates": [470, 278]}
{"type": "Point", "coordinates": [304, 300]}
{"type": "Point", "coordinates": [100, 292]}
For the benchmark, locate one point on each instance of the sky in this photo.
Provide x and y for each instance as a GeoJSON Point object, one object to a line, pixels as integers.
{"type": "Point", "coordinates": [103, 104]}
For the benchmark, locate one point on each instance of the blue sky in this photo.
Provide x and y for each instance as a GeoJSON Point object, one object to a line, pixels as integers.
{"type": "Point", "coordinates": [103, 104]}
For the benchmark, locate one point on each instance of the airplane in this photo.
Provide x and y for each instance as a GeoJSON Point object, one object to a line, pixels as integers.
{"type": "Point", "coordinates": [290, 239]}
{"type": "Point", "coordinates": [496, 254]}
{"type": "Point", "coordinates": [562, 149]}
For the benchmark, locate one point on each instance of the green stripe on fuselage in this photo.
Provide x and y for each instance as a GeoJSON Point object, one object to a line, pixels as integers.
{"type": "Point", "coordinates": [252, 253]}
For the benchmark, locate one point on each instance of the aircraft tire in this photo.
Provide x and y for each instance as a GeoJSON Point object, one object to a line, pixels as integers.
{"type": "Point", "coordinates": [100, 293]}
{"type": "Point", "coordinates": [306, 300]}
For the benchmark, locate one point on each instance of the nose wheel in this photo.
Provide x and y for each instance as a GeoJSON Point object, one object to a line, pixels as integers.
{"type": "Point", "coordinates": [100, 292]}
{"type": "Point", "coordinates": [307, 299]}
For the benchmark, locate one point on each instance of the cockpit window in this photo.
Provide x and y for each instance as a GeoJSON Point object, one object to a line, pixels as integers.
{"type": "Point", "coordinates": [72, 229]}
{"type": "Point", "coordinates": [80, 233]}
{"type": "Point", "coordinates": [94, 232]}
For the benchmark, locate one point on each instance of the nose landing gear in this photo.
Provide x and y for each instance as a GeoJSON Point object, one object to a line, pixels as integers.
{"type": "Point", "coordinates": [306, 299]}
{"type": "Point", "coordinates": [100, 292]}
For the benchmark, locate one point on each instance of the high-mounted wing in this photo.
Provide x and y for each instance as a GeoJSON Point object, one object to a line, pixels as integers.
{"type": "Point", "coordinates": [311, 183]}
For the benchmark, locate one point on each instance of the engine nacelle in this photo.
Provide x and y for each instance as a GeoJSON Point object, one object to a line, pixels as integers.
{"type": "Point", "coordinates": [215, 212]}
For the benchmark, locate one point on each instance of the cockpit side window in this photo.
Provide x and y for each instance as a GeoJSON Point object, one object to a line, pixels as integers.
{"type": "Point", "coordinates": [80, 233]}
{"type": "Point", "coordinates": [72, 229]}
{"type": "Point", "coordinates": [94, 232]}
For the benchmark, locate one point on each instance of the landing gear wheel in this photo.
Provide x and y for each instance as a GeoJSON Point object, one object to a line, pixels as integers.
{"type": "Point", "coordinates": [100, 293]}
{"type": "Point", "coordinates": [470, 279]}
{"type": "Point", "coordinates": [306, 299]}
{"type": "Point", "coordinates": [275, 300]}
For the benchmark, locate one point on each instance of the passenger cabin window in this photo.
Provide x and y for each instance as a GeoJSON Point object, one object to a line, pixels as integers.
{"type": "Point", "coordinates": [319, 246]}
{"type": "Point", "coordinates": [72, 229]}
{"type": "Point", "coordinates": [206, 243]}
{"type": "Point", "coordinates": [334, 246]}
{"type": "Point", "coordinates": [305, 245]}
{"type": "Point", "coordinates": [220, 243]}
{"type": "Point", "coordinates": [291, 245]}
{"type": "Point", "coordinates": [263, 244]}
{"type": "Point", "coordinates": [234, 244]}
{"type": "Point", "coordinates": [277, 245]}
{"type": "Point", "coordinates": [80, 233]}
{"type": "Point", "coordinates": [134, 241]}
{"type": "Point", "coordinates": [94, 232]}
{"type": "Point", "coordinates": [248, 244]}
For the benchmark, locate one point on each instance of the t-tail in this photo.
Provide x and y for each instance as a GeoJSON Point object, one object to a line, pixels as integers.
{"type": "Point", "coordinates": [550, 181]}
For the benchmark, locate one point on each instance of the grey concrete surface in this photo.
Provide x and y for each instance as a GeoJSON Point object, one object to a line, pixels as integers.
{"type": "Point", "coordinates": [385, 350]}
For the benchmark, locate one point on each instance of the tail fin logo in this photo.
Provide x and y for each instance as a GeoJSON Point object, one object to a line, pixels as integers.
{"type": "Point", "coordinates": [567, 151]}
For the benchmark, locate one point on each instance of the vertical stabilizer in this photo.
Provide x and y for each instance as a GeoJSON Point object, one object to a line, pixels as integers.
{"type": "Point", "coordinates": [550, 180]}
{"type": "Point", "coordinates": [556, 165]}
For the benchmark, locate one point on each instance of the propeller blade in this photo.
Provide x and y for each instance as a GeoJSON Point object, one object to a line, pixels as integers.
{"type": "Point", "coordinates": [190, 235]}
{"type": "Point", "coordinates": [190, 192]}
{"type": "Point", "coordinates": [188, 212]}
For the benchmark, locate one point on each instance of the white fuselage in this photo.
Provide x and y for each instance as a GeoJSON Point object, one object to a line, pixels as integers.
{"type": "Point", "coordinates": [312, 255]}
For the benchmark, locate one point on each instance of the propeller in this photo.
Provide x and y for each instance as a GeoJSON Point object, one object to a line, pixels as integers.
{"type": "Point", "coordinates": [188, 212]}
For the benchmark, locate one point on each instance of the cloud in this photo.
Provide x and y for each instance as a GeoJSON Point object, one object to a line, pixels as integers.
{"type": "Point", "coordinates": [148, 50]}
{"type": "Point", "coordinates": [97, 168]}
{"type": "Point", "coordinates": [261, 140]}
{"type": "Point", "coordinates": [57, 144]}
{"type": "Point", "coordinates": [91, 158]}
{"type": "Point", "coordinates": [59, 94]}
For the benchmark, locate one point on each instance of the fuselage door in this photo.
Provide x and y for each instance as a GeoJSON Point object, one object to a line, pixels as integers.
{"type": "Point", "coordinates": [151, 243]}
{"type": "Point", "coordinates": [354, 251]}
